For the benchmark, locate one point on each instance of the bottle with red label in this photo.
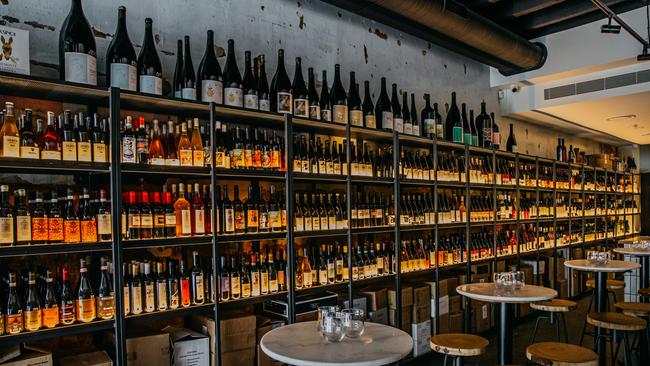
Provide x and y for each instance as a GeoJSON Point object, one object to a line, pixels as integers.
{"type": "Point", "coordinates": [186, 299]}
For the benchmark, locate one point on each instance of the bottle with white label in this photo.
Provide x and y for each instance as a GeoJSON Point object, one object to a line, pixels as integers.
{"type": "Point", "coordinates": [128, 142]}
{"type": "Point", "coordinates": [299, 92]}
{"type": "Point", "coordinates": [233, 93]}
{"type": "Point", "coordinates": [262, 85]}
{"type": "Point", "coordinates": [28, 146]}
{"type": "Point", "coordinates": [23, 218]}
{"type": "Point", "coordinates": [251, 99]}
{"type": "Point", "coordinates": [209, 78]}
{"type": "Point", "coordinates": [338, 98]}
{"type": "Point", "coordinates": [77, 50]}
{"type": "Point", "coordinates": [177, 86]}
{"type": "Point", "coordinates": [120, 57]}
{"type": "Point", "coordinates": [197, 281]}
{"type": "Point", "coordinates": [384, 109]}
{"type": "Point", "coordinates": [354, 102]}
{"type": "Point", "coordinates": [6, 217]}
{"type": "Point", "coordinates": [369, 119]}
{"type": "Point", "coordinates": [281, 88]}
{"type": "Point", "coordinates": [398, 120]}
{"type": "Point", "coordinates": [189, 78]}
{"type": "Point", "coordinates": [9, 137]}
{"type": "Point", "coordinates": [149, 66]}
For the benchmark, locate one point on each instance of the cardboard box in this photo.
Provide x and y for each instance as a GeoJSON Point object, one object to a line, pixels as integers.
{"type": "Point", "coordinates": [537, 267]}
{"type": "Point", "coordinates": [452, 283]}
{"type": "Point", "coordinates": [375, 298]}
{"type": "Point", "coordinates": [420, 314]}
{"type": "Point", "coordinates": [481, 278]}
{"type": "Point", "coordinates": [265, 325]}
{"type": "Point", "coordinates": [145, 349]}
{"type": "Point", "coordinates": [563, 286]}
{"type": "Point", "coordinates": [379, 316]}
{"type": "Point", "coordinates": [455, 303]}
{"type": "Point", "coordinates": [99, 358]}
{"type": "Point", "coordinates": [264, 360]}
{"type": "Point", "coordinates": [482, 314]}
{"type": "Point", "coordinates": [406, 317]}
{"type": "Point", "coordinates": [444, 306]}
{"type": "Point", "coordinates": [421, 334]}
{"type": "Point", "coordinates": [238, 333]}
{"type": "Point", "coordinates": [244, 357]}
{"type": "Point", "coordinates": [421, 295]}
{"type": "Point", "coordinates": [456, 322]}
{"type": "Point", "coordinates": [501, 266]}
{"type": "Point", "coordinates": [407, 297]}
{"type": "Point", "coordinates": [31, 357]}
{"type": "Point", "coordinates": [443, 323]}
{"type": "Point", "coordinates": [9, 352]}
{"type": "Point", "coordinates": [189, 348]}
{"type": "Point", "coordinates": [307, 317]}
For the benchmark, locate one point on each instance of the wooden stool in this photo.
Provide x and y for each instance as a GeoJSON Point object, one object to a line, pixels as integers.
{"type": "Point", "coordinates": [641, 310]}
{"type": "Point", "coordinates": [458, 345]}
{"type": "Point", "coordinates": [617, 322]}
{"type": "Point", "coordinates": [644, 292]}
{"type": "Point", "coordinates": [560, 354]}
{"type": "Point", "coordinates": [612, 285]}
{"type": "Point", "coordinates": [553, 307]}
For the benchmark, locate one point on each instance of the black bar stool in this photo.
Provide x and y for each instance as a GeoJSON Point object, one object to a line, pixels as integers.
{"type": "Point", "coordinates": [555, 309]}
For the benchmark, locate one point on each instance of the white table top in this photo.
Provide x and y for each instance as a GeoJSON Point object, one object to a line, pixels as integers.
{"type": "Point", "coordinates": [634, 240]}
{"type": "Point", "coordinates": [486, 291]}
{"type": "Point", "coordinates": [612, 266]}
{"type": "Point", "coordinates": [637, 252]}
{"type": "Point", "coordinates": [302, 344]}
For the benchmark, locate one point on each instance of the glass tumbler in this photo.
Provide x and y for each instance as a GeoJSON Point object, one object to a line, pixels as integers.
{"type": "Point", "coordinates": [322, 311]}
{"type": "Point", "coordinates": [332, 327]}
{"type": "Point", "coordinates": [353, 322]}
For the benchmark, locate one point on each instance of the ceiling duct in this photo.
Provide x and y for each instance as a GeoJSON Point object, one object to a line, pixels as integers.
{"type": "Point", "coordinates": [453, 26]}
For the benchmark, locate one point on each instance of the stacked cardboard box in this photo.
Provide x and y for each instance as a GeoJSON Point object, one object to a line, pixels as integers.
{"type": "Point", "coordinates": [406, 310]}
{"type": "Point", "coordinates": [237, 336]}
{"type": "Point", "coordinates": [265, 325]}
{"type": "Point", "coordinates": [143, 348]}
{"type": "Point", "coordinates": [99, 358]}
{"type": "Point", "coordinates": [377, 303]}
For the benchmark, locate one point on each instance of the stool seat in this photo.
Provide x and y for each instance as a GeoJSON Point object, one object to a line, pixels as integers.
{"type": "Point", "coordinates": [459, 344]}
{"type": "Point", "coordinates": [645, 292]}
{"type": "Point", "coordinates": [616, 321]}
{"type": "Point", "coordinates": [561, 354]}
{"type": "Point", "coordinates": [611, 284]}
{"type": "Point", "coordinates": [634, 308]}
{"type": "Point", "coordinates": [554, 305]}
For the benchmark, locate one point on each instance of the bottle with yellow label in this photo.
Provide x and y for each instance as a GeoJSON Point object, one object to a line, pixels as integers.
{"type": "Point", "coordinates": [9, 137]}
{"type": "Point", "coordinates": [69, 143]}
{"type": "Point", "coordinates": [33, 315]}
{"type": "Point", "coordinates": [184, 147]}
{"type": "Point", "coordinates": [85, 300]}
{"type": "Point", "coordinates": [197, 145]}
{"type": "Point", "coordinates": [28, 146]}
{"type": "Point", "coordinates": [50, 307]}
{"type": "Point", "coordinates": [14, 310]}
{"type": "Point", "coordinates": [6, 218]}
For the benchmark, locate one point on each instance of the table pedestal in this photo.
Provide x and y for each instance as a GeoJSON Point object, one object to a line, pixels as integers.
{"type": "Point", "coordinates": [505, 333]}
{"type": "Point", "coordinates": [600, 292]}
{"type": "Point", "coordinates": [645, 271]}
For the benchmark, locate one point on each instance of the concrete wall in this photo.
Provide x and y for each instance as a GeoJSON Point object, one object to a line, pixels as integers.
{"type": "Point", "coordinates": [319, 33]}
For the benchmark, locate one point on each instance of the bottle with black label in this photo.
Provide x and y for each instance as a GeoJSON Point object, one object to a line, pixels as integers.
{"type": "Point", "coordinates": [209, 80]}
{"type": "Point", "coordinates": [121, 63]}
{"type": "Point", "coordinates": [77, 50]}
{"type": "Point", "coordinates": [149, 66]}
{"type": "Point", "coordinates": [299, 92]}
{"type": "Point", "coordinates": [281, 98]}
{"type": "Point", "coordinates": [233, 94]}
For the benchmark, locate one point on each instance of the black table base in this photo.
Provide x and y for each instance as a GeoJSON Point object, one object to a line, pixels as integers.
{"type": "Point", "coordinates": [505, 333]}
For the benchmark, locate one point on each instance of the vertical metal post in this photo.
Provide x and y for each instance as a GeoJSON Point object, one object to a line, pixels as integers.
{"type": "Point", "coordinates": [468, 268]}
{"type": "Point", "coordinates": [518, 210]}
{"type": "Point", "coordinates": [494, 210]}
{"type": "Point", "coordinates": [288, 186]}
{"type": "Point", "coordinates": [537, 215]}
{"type": "Point", "coordinates": [554, 274]}
{"type": "Point", "coordinates": [436, 329]}
{"type": "Point", "coordinates": [348, 184]}
{"type": "Point", "coordinates": [213, 223]}
{"type": "Point", "coordinates": [116, 226]}
{"type": "Point", "coordinates": [398, 213]}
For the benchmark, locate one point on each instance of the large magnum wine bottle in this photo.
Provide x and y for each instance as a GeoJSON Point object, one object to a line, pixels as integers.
{"type": "Point", "coordinates": [281, 101]}
{"type": "Point", "coordinates": [300, 95]}
{"type": "Point", "coordinates": [453, 123]}
{"type": "Point", "coordinates": [77, 50]}
{"type": "Point", "coordinates": [121, 64]}
{"type": "Point", "coordinates": [232, 85]}
{"type": "Point", "coordinates": [383, 109]}
{"type": "Point", "coordinates": [189, 77]}
{"type": "Point", "coordinates": [149, 66]}
{"type": "Point", "coordinates": [338, 98]}
{"type": "Point", "coordinates": [209, 79]}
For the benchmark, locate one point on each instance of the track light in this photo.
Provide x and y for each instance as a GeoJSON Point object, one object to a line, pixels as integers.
{"type": "Point", "coordinates": [610, 28]}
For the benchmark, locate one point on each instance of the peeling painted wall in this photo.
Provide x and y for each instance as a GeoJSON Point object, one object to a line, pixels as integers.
{"type": "Point", "coordinates": [319, 33]}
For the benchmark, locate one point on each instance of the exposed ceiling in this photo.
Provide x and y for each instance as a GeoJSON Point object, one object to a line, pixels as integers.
{"type": "Point", "coordinates": [535, 18]}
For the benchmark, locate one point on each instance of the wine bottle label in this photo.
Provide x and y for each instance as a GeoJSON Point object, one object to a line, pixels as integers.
{"type": "Point", "coordinates": [106, 307]}
{"type": "Point", "coordinates": [273, 285]}
{"type": "Point", "coordinates": [71, 231]}
{"type": "Point", "coordinates": [185, 157]}
{"type": "Point", "coordinates": [29, 152]}
{"type": "Point", "coordinates": [198, 158]}
{"type": "Point", "coordinates": [253, 218]}
{"type": "Point", "coordinates": [387, 120]}
{"type": "Point", "coordinates": [496, 138]}
{"type": "Point", "coordinates": [300, 108]}
{"type": "Point", "coordinates": [128, 149]}
{"type": "Point", "coordinates": [246, 289]}
{"type": "Point", "coordinates": [235, 287]}
{"type": "Point", "coordinates": [136, 300]}
{"type": "Point", "coordinates": [285, 103]}
{"type": "Point", "coordinates": [322, 277]}
{"type": "Point", "coordinates": [370, 121]}
{"type": "Point", "coordinates": [340, 113]}
{"type": "Point", "coordinates": [84, 151]}
{"type": "Point", "coordinates": [315, 223]}
{"type": "Point", "coordinates": [33, 319]}
{"type": "Point", "coordinates": [408, 128]}
{"type": "Point", "coordinates": [86, 310]}
{"type": "Point", "coordinates": [233, 97]}
{"type": "Point", "coordinates": [440, 131]}
{"type": "Point", "coordinates": [178, 94]}
{"type": "Point", "coordinates": [198, 288]}
{"type": "Point", "coordinates": [264, 282]}
{"type": "Point", "coordinates": [314, 111]}
{"type": "Point", "coordinates": [429, 126]}
{"type": "Point", "coordinates": [54, 229]}
{"type": "Point", "coordinates": [212, 91]}
{"type": "Point", "coordinates": [104, 223]}
{"type": "Point", "coordinates": [251, 101]}
{"type": "Point", "coordinates": [80, 68]}
{"type": "Point", "coordinates": [188, 93]}
{"type": "Point", "coordinates": [149, 299]}
{"type": "Point", "coordinates": [199, 222]}
{"type": "Point", "coordinates": [69, 152]}
{"type": "Point", "coordinates": [124, 76]}
{"type": "Point", "coordinates": [247, 158]}
{"type": "Point", "coordinates": [150, 84]}
{"type": "Point", "coordinates": [172, 162]}
{"type": "Point", "coordinates": [255, 283]}
{"type": "Point", "coordinates": [274, 219]}
{"type": "Point", "coordinates": [135, 221]}
{"type": "Point", "coordinates": [50, 317]}
{"type": "Point", "coordinates": [127, 299]}
{"type": "Point", "coordinates": [326, 115]}
{"type": "Point", "coordinates": [11, 146]}
{"type": "Point", "coordinates": [156, 161]}
{"type": "Point", "coordinates": [50, 155]}
{"type": "Point", "coordinates": [307, 224]}
{"type": "Point", "coordinates": [514, 148]}
{"type": "Point", "coordinates": [265, 105]}
{"type": "Point", "coordinates": [458, 135]}
{"type": "Point", "coordinates": [39, 228]}
{"type": "Point", "coordinates": [14, 322]}
{"type": "Point", "coordinates": [229, 220]}
{"type": "Point", "coordinates": [186, 222]}
{"type": "Point", "coordinates": [23, 228]}
{"type": "Point", "coordinates": [99, 152]}
{"type": "Point", "coordinates": [474, 140]}
{"type": "Point", "coordinates": [275, 159]}
{"type": "Point", "coordinates": [299, 224]}
{"type": "Point", "coordinates": [88, 230]}
{"type": "Point", "coordinates": [398, 124]}
{"type": "Point", "coordinates": [146, 221]}
{"type": "Point", "coordinates": [356, 118]}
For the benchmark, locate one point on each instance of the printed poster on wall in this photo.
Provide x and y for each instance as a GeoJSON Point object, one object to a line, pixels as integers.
{"type": "Point", "coordinates": [15, 50]}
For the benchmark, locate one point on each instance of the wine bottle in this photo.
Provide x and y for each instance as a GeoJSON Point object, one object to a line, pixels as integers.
{"type": "Point", "coordinates": [384, 109]}
{"type": "Point", "coordinates": [209, 79]}
{"type": "Point", "coordinates": [263, 85]}
{"type": "Point", "coordinates": [453, 123]}
{"type": "Point", "coordinates": [558, 150]}
{"type": "Point", "coordinates": [121, 63]}
{"type": "Point", "coordinates": [232, 83]}
{"type": "Point", "coordinates": [251, 100]}
{"type": "Point", "coordinates": [467, 132]}
{"type": "Point", "coordinates": [428, 118]}
{"type": "Point", "coordinates": [314, 101]}
{"type": "Point", "coordinates": [325, 104]}
{"type": "Point", "coordinates": [440, 127]}
{"type": "Point", "coordinates": [189, 78]}
{"type": "Point", "coordinates": [511, 145]}
{"type": "Point", "coordinates": [299, 91]}
{"type": "Point", "coordinates": [149, 66]}
{"type": "Point", "coordinates": [354, 102]}
{"type": "Point", "coordinates": [496, 136]}
{"type": "Point", "coordinates": [414, 117]}
{"type": "Point", "coordinates": [406, 115]}
{"type": "Point", "coordinates": [398, 120]}
{"type": "Point", "coordinates": [472, 123]}
{"type": "Point", "coordinates": [369, 119]}
{"type": "Point", "coordinates": [281, 88]}
{"type": "Point", "coordinates": [77, 50]}
{"type": "Point", "coordinates": [178, 71]}
{"type": "Point", "coordinates": [484, 127]}
{"type": "Point", "coordinates": [338, 98]}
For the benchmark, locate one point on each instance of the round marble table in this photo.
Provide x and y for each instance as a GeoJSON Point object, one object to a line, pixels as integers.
{"type": "Point", "coordinates": [644, 256]}
{"type": "Point", "coordinates": [302, 344]}
{"type": "Point", "coordinates": [600, 290]}
{"type": "Point", "coordinates": [486, 291]}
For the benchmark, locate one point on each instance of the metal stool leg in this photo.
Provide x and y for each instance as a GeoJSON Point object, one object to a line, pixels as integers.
{"type": "Point", "coordinates": [532, 338]}
{"type": "Point", "coordinates": [582, 336]}
{"type": "Point", "coordinates": [445, 361]}
{"type": "Point", "coordinates": [584, 327]}
{"type": "Point", "coordinates": [566, 331]}
{"type": "Point", "coordinates": [553, 319]}
{"type": "Point", "coordinates": [626, 349]}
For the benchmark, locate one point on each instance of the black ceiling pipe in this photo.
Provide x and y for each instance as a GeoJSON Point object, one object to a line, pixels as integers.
{"type": "Point", "coordinates": [453, 26]}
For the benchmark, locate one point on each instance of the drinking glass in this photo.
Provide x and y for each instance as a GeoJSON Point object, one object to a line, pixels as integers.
{"type": "Point", "coordinates": [322, 311]}
{"type": "Point", "coordinates": [332, 327]}
{"type": "Point", "coordinates": [353, 322]}
{"type": "Point", "coordinates": [519, 279]}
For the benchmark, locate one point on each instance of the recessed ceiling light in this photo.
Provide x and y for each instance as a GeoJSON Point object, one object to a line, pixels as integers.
{"type": "Point", "coordinates": [623, 117]}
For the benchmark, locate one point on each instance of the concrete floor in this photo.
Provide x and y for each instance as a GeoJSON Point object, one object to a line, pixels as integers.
{"type": "Point", "coordinates": [522, 332]}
